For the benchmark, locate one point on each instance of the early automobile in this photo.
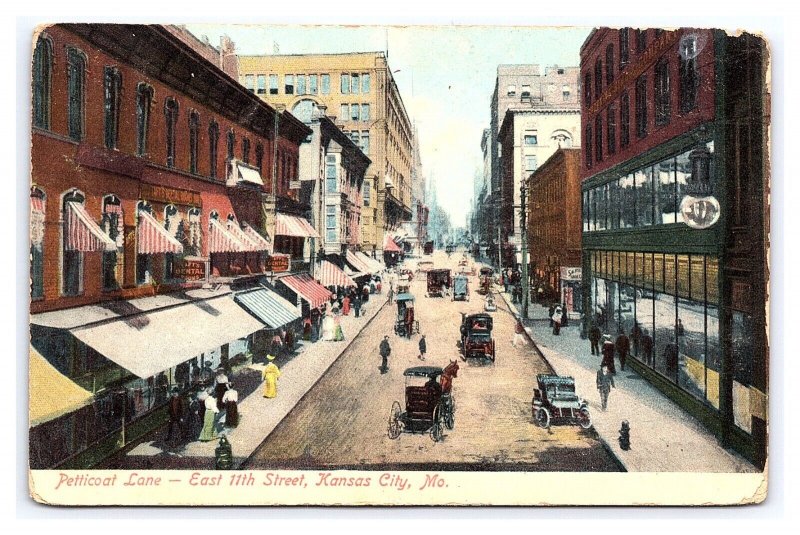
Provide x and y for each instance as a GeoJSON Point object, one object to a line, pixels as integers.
{"type": "Point", "coordinates": [405, 324]}
{"type": "Point", "coordinates": [428, 247]}
{"type": "Point", "coordinates": [476, 336]}
{"type": "Point", "coordinates": [555, 401]}
{"type": "Point", "coordinates": [439, 282]}
{"type": "Point", "coordinates": [430, 406]}
{"type": "Point", "coordinates": [485, 285]}
{"type": "Point", "coordinates": [460, 288]}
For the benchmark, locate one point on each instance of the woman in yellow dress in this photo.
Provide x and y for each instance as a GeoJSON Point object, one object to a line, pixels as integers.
{"type": "Point", "coordinates": [270, 376]}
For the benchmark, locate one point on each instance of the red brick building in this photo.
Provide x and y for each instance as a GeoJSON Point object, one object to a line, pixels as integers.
{"type": "Point", "coordinates": [673, 122]}
{"type": "Point", "coordinates": [554, 228]}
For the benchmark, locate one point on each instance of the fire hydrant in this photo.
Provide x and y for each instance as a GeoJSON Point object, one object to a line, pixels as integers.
{"type": "Point", "coordinates": [223, 454]}
{"type": "Point", "coordinates": [625, 436]}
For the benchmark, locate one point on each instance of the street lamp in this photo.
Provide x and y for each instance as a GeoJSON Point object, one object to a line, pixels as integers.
{"type": "Point", "coordinates": [700, 209]}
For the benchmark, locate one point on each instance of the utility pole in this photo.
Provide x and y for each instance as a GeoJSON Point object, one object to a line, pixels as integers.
{"type": "Point", "coordinates": [524, 230]}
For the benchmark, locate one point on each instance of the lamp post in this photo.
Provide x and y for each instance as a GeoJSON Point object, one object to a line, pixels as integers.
{"type": "Point", "coordinates": [524, 232]}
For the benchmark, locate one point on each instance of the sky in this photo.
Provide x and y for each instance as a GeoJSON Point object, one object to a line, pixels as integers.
{"type": "Point", "coordinates": [446, 76]}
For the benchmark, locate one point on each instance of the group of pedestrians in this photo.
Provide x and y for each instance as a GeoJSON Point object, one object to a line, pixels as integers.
{"type": "Point", "coordinates": [206, 414]}
{"type": "Point", "coordinates": [558, 317]}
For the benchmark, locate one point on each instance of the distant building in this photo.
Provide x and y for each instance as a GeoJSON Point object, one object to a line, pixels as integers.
{"type": "Point", "coordinates": [671, 119]}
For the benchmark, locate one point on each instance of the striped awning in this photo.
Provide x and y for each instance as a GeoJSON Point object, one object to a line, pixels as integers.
{"type": "Point", "coordinates": [153, 238]}
{"type": "Point", "coordinates": [51, 393]}
{"type": "Point", "coordinates": [250, 245]}
{"type": "Point", "coordinates": [37, 204]}
{"type": "Point", "coordinates": [390, 246]}
{"type": "Point", "coordinates": [292, 225]}
{"type": "Point", "coordinates": [376, 267]}
{"type": "Point", "coordinates": [307, 288]}
{"type": "Point", "coordinates": [83, 234]}
{"type": "Point", "coordinates": [221, 240]}
{"type": "Point", "coordinates": [268, 306]}
{"type": "Point", "coordinates": [358, 263]}
{"type": "Point", "coordinates": [263, 243]}
{"type": "Point", "coordinates": [329, 274]}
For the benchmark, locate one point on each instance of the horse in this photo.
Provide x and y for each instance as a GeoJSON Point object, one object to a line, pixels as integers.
{"type": "Point", "coordinates": [450, 372]}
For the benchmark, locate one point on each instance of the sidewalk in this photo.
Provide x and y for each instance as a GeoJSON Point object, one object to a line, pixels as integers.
{"type": "Point", "coordinates": [664, 437]}
{"type": "Point", "coordinates": [258, 415]}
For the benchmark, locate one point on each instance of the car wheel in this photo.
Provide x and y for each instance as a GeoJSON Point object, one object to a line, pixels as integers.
{"type": "Point", "coordinates": [584, 418]}
{"type": "Point", "coordinates": [543, 418]}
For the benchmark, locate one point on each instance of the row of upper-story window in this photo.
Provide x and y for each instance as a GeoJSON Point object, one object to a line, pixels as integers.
{"type": "Point", "coordinates": [77, 66]}
{"type": "Point", "coordinates": [649, 196]}
{"type": "Point", "coordinates": [618, 113]}
{"type": "Point", "coordinates": [360, 138]}
{"type": "Point", "coordinates": [355, 112]}
{"type": "Point", "coordinates": [306, 84]}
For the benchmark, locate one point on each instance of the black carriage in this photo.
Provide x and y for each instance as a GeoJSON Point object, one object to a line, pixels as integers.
{"type": "Point", "coordinates": [485, 285]}
{"type": "Point", "coordinates": [555, 401]}
{"type": "Point", "coordinates": [405, 316]}
{"type": "Point", "coordinates": [476, 336]}
{"type": "Point", "coordinates": [438, 282]}
{"type": "Point", "coordinates": [429, 403]}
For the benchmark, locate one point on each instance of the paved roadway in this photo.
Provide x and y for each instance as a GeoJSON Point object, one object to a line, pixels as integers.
{"type": "Point", "coordinates": [342, 421]}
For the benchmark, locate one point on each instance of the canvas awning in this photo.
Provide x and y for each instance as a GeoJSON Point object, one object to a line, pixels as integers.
{"type": "Point", "coordinates": [390, 246]}
{"type": "Point", "coordinates": [307, 288]}
{"type": "Point", "coordinates": [221, 240]}
{"type": "Point", "coordinates": [148, 343]}
{"type": "Point", "coordinates": [51, 393]}
{"type": "Point", "coordinates": [359, 264]}
{"type": "Point", "coordinates": [329, 274]}
{"type": "Point", "coordinates": [292, 225]}
{"type": "Point", "coordinates": [262, 242]}
{"type": "Point", "coordinates": [153, 238]}
{"type": "Point", "coordinates": [376, 267]}
{"type": "Point", "coordinates": [248, 243]}
{"type": "Point", "coordinates": [83, 234]}
{"type": "Point", "coordinates": [268, 306]}
{"type": "Point", "coordinates": [247, 174]}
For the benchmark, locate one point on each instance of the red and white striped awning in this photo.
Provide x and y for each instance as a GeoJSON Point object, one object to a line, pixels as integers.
{"type": "Point", "coordinates": [37, 204]}
{"type": "Point", "coordinates": [292, 225]}
{"type": "Point", "coordinates": [329, 274]}
{"type": "Point", "coordinates": [83, 234]}
{"type": "Point", "coordinates": [308, 289]}
{"type": "Point", "coordinates": [236, 230]}
{"type": "Point", "coordinates": [390, 246]}
{"type": "Point", "coordinates": [358, 263]}
{"type": "Point", "coordinates": [263, 243]}
{"type": "Point", "coordinates": [153, 238]}
{"type": "Point", "coordinates": [221, 240]}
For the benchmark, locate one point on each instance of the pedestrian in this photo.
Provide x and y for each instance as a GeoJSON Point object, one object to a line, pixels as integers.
{"type": "Point", "coordinates": [176, 408]}
{"type": "Point", "coordinates": [556, 321]}
{"type": "Point", "coordinates": [636, 338]}
{"type": "Point", "coordinates": [231, 401]}
{"type": "Point", "coordinates": [679, 327]}
{"type": "Point", "coordinates": [519, 331]}
{"type": "Point", "coordinates": [270, 376]}
{"type": "Point", "coordinates": [289, 342]}
{"type": "Point", "coordinates": [594, 339]}
{"type": "Point", "coordinates": [409, 320]}
{"type": "Point", "coordinates": [338, 334]}
{"type": "Point", "coordinates": [504, 280]}
{"type": "Point", "coordinates": [605, 382]}
{"type": "Point", "coordinates": [378, 285]}
{"type": "Point", "coordinates": [372, 286]}
{"type": "Point", "coordinates": [564, 318]}
{"type": "Point", "coordinates": [623, 347]}
{"type": "Point", "coordinates": [423, 347]}
{"type": "Point", "coordinates": [390, 294]}
{"type": "Point", "coordinates": [220, 386]}
{"type": "Point", "coordinates": [197, 412]}
{"type": "Point", "coordinates": [385, 351]}
{"type": "Point", "coordinates": [209, 431]}
{"type": "Point", "coordinates": [550, 311]}
{"type": "Point", "coordinates": [647, 346]}
{"type": "Point", "coordinates": [608, 353]}
{"type": "Point", "coordinates": [346, 305]}
{"type": "Point", "coordinates": [365, 292]}
{"type": "Point", "coordinates": [357, 305]}
{"type": "Point", "coordinates": [307, 329]}
{"type": "Point", "coordinates": [275, 344]}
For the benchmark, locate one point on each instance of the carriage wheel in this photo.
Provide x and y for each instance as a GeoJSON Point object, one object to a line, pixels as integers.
{"type": "Point", "coordinates": [449, 417]}
{"type": "Point", "coordinates": [436, 429]}
{"type": "Point", "coordinates": [584, 418]}
{"type": "Point", "coordinates": [395, 426]}
{"type": "Point", "coordinates": [543, 418]}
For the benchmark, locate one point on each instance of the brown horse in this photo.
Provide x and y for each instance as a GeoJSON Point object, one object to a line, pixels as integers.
{"type": "Point", "coordinates": [448, 374]}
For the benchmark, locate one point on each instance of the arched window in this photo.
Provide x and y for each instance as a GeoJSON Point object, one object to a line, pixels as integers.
{"type": "Point", "coordinates": [171, 114]}
{"type": "Point", "coordinates": [144, 100]}
{"type": "Point", "coordinates": [304, 110]}
{"type": "Point", "coordinates": [214, 215]}
{"type": "Point", "coordinates": [76, 80]}
{"type": "Point", "coordinates": [689, 74]}
{"type": "Point", "coordinates": [231, 144]}
{"type": "Point", "coordinates": [113, 88]}
{"type": "Point", "coordinates": [213, 142]}
{"type": "Point", "coordinates": [609, 64]}
{"type": "Point", "coordinates": [194, 127]}
{"type": "Point", "coordinates": [562, 138]}
{"type": "Point", "coordinates": [624, 120]}
{"type": "Point", "coordinates": [72, 266]}
{"type": "Point", "coordinates": [42, 74]}
{"type": "Point", "coordinates": [260, 158]}
{"type": "Point", "coordinates": [598, 78]}
{"type": "Point", "coordinates": [662, 92]}
{"type": "Point", "coordinates": [112, 224]}
{"type": "Point", "coordinates": [37, 242]}
{"type": "Point", "coordinates": [246, 150]}
{"type": "Point", "coordinates": [193, 244]}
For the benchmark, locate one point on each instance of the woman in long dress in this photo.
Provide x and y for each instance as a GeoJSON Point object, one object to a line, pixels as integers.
{"type": "Point", "coordinates": [231, 400]}
{"type": "Point", "coordinates": [270, 376]}
{"type": "Point", "coordinates": [328, 328]}
{"type": "Point", "coordinates": [339, 334]}
{"type": "Point", "coordinates": [209, 431]}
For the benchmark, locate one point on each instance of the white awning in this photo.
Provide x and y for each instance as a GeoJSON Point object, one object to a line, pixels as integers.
{"type": "Point", "coordinates": [149, 343]}
{"type": "Point", "coordinates": [247, 174]}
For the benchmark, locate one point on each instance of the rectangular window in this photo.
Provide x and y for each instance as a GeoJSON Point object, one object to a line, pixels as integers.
{"type": "Point", "coordinates": [365, 142]}
{"type": "Point", "coordinates": [614, 204]}
{"type": "Point", "coordinates": [354, 135]}
{"type": "Point", "coordinates": [624, 120]}
{"type": "Point", "coordinates": [355, 84]}
{"type": "Point", "coordinates": [664, 186]}
{"type": "Point", "coordinates": [627, 202]}
{"type": "Point", "coordinates": [609, 64]}
{"type": "Point", "coordinates": [641, 41]}
{"type": "Point", "coordinates": [312, 84]}
{"type": "Point", "coordinates": [662, 93]}
{"type": "Point", "coordinates": [344, 84]}
{"type": "Point", "coordinates": [250, 82]}
{"type": "Point", "coordinates": [354, 112]}
{"type": "Point", "coordinates": [530, 163]}
{"type": "Point", "coordinates": [42, 72]}
{"type": "Point", "coordinates": [273, 84]}
{"type": "Point", "coordinates": [683, 172]}
{"type": "Point", "coordinates": [213, 142]}
{"type": "Point", "coordinates": [330, 174]}
{"type": "Point", "coordinates": [624, 47]}
{"type": "Point", "coordinates": [512, 90]}
{"type": "Point", "coordinates": [344, 111]}
{"type": "Point", "coordinates": [367, 192]}
{"type": "Point", "coordinates": [330, 222]}
{"type": "Point", "coordinates": [365, 112]}
{"type": "Point", "coordinates": [144, 268]}
{"type": "Point", "coordinates": [598, 138]}
{"type": "Point", "coordinates": [611, 127]}
{"type": "Point", "coordinates": [587, 89]}
{"type": "Point", "coordinates": [194, 125]}
{"type": "Point", "coordinates": [144, 99]}
{"type": "Point", "coordinates": [73, 272]}
{"type": "Point", "coordinates": [288, 84]}
{"type": "Point", "coordinates": [325, 82]}
{"type": "Point", "coordinates": [75, 86]}
{"type": "Point", "coordinates": [301, 84]}
{"type": "Point", "coordinates": [262, 84]}
{"type": "Point", "coordinates": [641, 106]}
{"type": "Point", "coordinates": [526, 91]}
{"type": "Point", "coordinates": [531, 139]}
{"type": "Point", "coordinates": [598, 78]}
{"type": "Point", "coordinates": [365, 83]}
{"type": "Point", "coordinates": [585, 211]}
{"type": "Point", "coordinates": [588, 146]}
{"type": "Point", "coordinates": [689, 75]}
{"type": "Point", "coordinates": [113, 84]}
{"type": "Point", "coordinates": [644, 197]}
{"type": "Point", "coordinates": [171, 115]}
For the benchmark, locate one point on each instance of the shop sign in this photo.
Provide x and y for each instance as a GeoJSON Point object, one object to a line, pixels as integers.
{"type": "Point", "coordinates": [167, 195]}
{"type": "Point", "coordinates": [278, 263]}
{"type": "Point", "coordinates": [190, 269]}
{"type": "Point", "coordinates": [571, 273]}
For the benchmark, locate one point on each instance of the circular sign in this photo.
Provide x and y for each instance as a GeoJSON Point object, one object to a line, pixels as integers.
{"type": "Point", "coordinates": [700, 212]}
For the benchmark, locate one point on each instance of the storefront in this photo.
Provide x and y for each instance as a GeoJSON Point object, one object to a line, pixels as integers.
{"type": "Point", "coordinates": [571, 280]}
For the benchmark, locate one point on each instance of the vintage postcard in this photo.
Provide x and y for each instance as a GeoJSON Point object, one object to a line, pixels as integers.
{"type": "Point", "coordinates": [417, 265]}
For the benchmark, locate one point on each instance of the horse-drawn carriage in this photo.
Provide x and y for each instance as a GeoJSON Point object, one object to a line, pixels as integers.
{"type": "Point", "coordinates": [485, 278]}
{"type": "Point", "coordinates": [460, 288]}
{"type": "Point", "coordinates": [430, 406]}
{"type": "Point", "coordinates": [476, 336]}
{"type": "Point", "coordinates": [555, 400]}
{"type": "Point", "coordinates": [439, 281]}
{"type": "Point", "coordinates": [428, 247]}
{"type": "Point", "coordinates": [405, 324]}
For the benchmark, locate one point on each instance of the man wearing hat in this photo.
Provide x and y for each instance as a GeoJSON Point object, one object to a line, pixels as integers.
{"type": "Point", "coordinates": [270, 376]}
{"type": "Point", "coordinates": [385, 351]}
{"type": "Point", "coordinates": [608, 353]}
{"type": "Point", "coordinates": [177, 411]}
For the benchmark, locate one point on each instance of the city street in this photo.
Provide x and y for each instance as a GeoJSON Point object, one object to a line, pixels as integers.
{"type": "Point", "coordinates": [342, 421]}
